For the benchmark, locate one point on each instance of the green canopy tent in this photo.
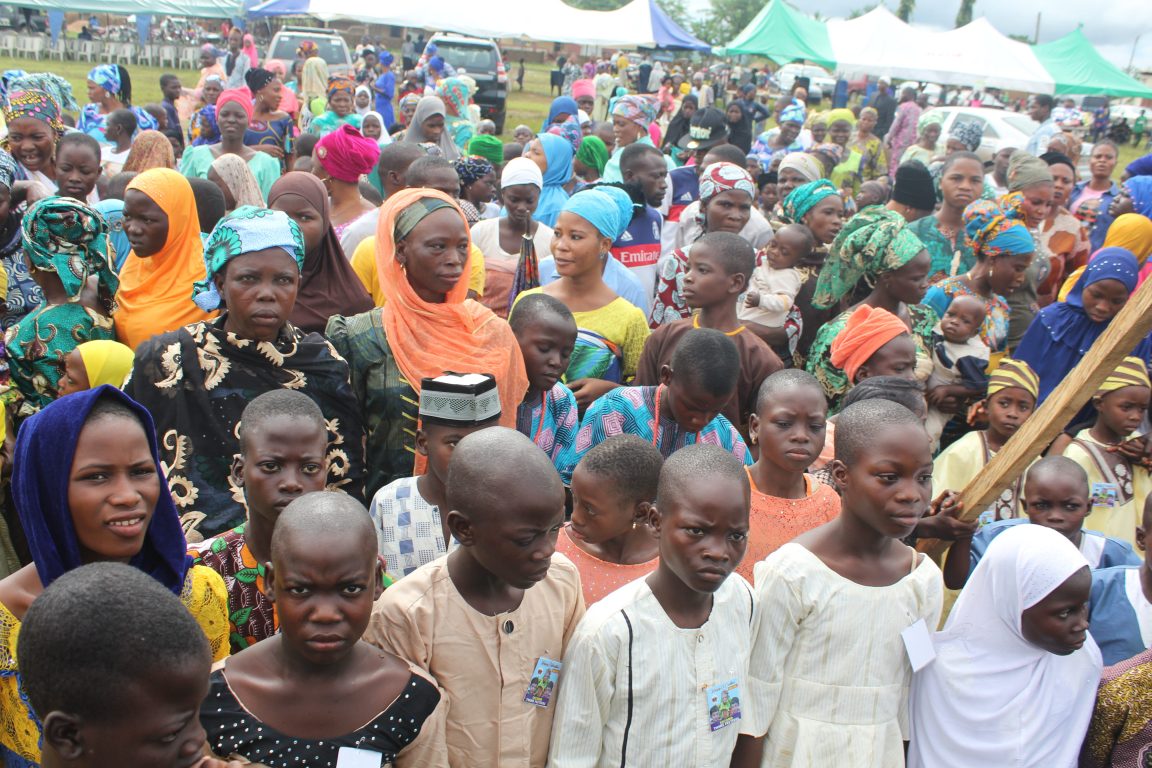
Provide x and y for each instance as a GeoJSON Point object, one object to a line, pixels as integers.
{"type": "Point", "coordinates": [1077, 68]}
{"type": "Point", "coordinates": [783, 34]}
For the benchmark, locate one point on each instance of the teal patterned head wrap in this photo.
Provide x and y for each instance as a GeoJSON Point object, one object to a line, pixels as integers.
{"type": "Point", "coordinates": [805, 197]}
{"type": "Point", "coordinates": [69, 239]}
{"type": "Point", "coordinates": [247, 229]}
{"type": "Point", "coordinates": [874, 242]}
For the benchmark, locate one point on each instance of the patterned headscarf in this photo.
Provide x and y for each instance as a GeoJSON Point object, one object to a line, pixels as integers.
{"type": "Point", "coordinates": [593, 153]}
{"type": "Point", "coordinates": [970, 134]}
{"type": "Point", "coordinates": [641, 110]}
{"type": "Point", "coordinates": [1132, 372]}
{"type": "Point", "coordinates": [722, 177]}
{"type": "Point", "coordinates": [833, 151]}
{"type": "Point", "coordinates": [67, 238]}
{"type": "Point", "coordinates": [488, 147]}
{"type": "Point", "coordinates": [991, 230]}
{"type": "Point", "coordinates": [570, 131]}
{"type": "Point", "coordinates": [257, 78]}
{"type": "Point", "coordinates": [874, 242]}
{"type": "Point", "coordinates": [456, 95]}
{"type": "Point", "coordinates": [55, 86]}
{"type": "Point", "coordinates": [1014, 373]}
{"type": "Point", "coordinates": [34, 104]}
{"type": "Point", "coordinates": [107, 76]}
{"type": "Point", "coordinates": [804, 198]}
{"type": "Point", "coordinates": [246, 230]}
{"type": "Point", "coordinates": [8, 170]}
{"type": "Point", "coordinates": [308, 49]}
{"type": "Point", "coordinates": [793, 113]}
{"type": "Point", "coordinates": [6, 79]}
{"type": "Point", "coordinates": [472, 168]}
{"type": "Point", "coordinates": [1139, 188]}
{"type": "Point", "coordinates": [934, 117]}
{"type": "Point", "coordinates": [340, 83]}
{"type": "Point", "coordinates": [201, 134]}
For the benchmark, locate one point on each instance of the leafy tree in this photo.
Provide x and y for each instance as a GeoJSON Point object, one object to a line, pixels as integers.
{"type": "Point", "coordinates": [904, 12]}
{"type": "Point", "coordinates": [964, 15]}
{"type": "Point", "coordinates": [727, 18]}
{"type": "Point", "coordinates": [861, 11]}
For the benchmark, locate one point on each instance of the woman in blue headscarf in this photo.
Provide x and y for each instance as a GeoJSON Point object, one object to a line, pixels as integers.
{"type": "Point", "coordinates": [1062, 333]}
{"type": "Point", "coordinates": [554, 156]}
{"type": "Point", "coordinates": [563, 107]}
{"type": "Point", "coordinates": [110, 89]}
{"type": "Point", "coordinates": [70, 521]}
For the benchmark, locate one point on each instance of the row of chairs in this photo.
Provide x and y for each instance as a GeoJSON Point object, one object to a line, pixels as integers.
{"type": "Point", "coordinates": [95, 51]}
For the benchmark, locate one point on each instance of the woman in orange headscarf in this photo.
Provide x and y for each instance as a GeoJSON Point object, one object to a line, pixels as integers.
{"type": "Point", "coordinates": [167, 257]}
{"type": "Point", "coordinates": [427, 326]}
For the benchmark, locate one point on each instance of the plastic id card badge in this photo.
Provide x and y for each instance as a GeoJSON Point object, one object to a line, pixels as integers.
{"type": "Point", "coordinates": [1105, 495]}
{"type": "Point", "coordinates": [723, 704]}
{"type": "Point", "coordinates": [351, 757]}
{"type": "Point", "coordinates": [918, 644]}
{"type": "Point", "coordinates": [542, 686]}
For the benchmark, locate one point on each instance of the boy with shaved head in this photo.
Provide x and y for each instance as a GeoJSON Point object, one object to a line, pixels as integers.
{"type": "Point", "coordinates": [491, 620]}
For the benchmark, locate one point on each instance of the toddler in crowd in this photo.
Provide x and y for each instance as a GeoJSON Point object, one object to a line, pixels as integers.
{"type": "Point", "coordinates": [776, 281]}
{"type": "Point", "coordinates": [1121, 602]}
{"type": "Point", "coordinates": [283, 447]}
{"type": "Point", "coordinates": [546, 332]}
{"type": "Point", "coordinates": [851, 583]}
{"type": "Point", "coordinates": [659, 670]}
{"type": "Point", "coordinates": [491, 620]}
{"type": "Point", "coordinates": [365, 705]}
{"type": "Point", "coordinates": [94, 363]}
{"type": "Point", "coordinates": [1118, 483]}
{"type": "Point", "coordinates": [410, 528]}
{"type": "Point", "coordinates": [609, 538]}
{"type": "Point", "coordinates": [959, 361]}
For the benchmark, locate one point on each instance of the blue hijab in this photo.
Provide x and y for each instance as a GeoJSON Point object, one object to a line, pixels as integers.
{"type": "Point", "coordinates": [45, 450]}
{"type": "Point", "coordinates": [1062, 333]}
{"type": "Point", "coordinates": [562, 105]}
{"type": "Point", "coordinates": [559, 154]}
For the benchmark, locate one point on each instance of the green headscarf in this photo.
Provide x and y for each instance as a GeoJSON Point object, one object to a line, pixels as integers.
{"type": "Point", "coordinates": [805, 197]}
{"type": "Point", "coordinates": [415, 213]}
{"type": "Point", "coordinates": [593, 153]}
{"type": "Point", "coordinates": [69, 239]}
{"type": "Point", "coordinates": [874, 242]}
{"type": "Point", "coordinates": [932, 117]}
{"type": "Point", "coordinates": [488, 147]}
{"type": "Point", "coordinates": [247, 229]}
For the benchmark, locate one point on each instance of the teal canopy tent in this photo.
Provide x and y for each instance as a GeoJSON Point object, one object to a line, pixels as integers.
{"type": "Point", "coordinates": [783, 34]}
{"type": "Point", "coordinates": [1077, 68]}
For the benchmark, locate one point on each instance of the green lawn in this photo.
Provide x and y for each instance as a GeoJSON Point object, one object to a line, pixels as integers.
{"type": "Point", "coordinates": [529, 106]}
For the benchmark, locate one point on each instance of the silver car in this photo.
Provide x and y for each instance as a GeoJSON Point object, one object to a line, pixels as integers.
{"type": "Point", "coordinates": [1001, 129]}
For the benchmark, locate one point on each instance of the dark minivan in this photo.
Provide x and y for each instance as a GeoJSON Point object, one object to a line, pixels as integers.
{"type": "Point", "coordinates": [480, 59]}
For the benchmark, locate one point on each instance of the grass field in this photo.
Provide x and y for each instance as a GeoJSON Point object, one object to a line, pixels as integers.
{"type": "Point", "coordinates": [529, 106]}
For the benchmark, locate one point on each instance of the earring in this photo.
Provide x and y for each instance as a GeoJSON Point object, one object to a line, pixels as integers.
{"type": "Point", "coordinates": [635, 524]}
{"type": "Point", "coordinates": [752, 439]}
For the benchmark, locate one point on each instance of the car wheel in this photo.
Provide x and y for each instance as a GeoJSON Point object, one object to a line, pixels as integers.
{"type": "Point", "coordinates": [499, 120]}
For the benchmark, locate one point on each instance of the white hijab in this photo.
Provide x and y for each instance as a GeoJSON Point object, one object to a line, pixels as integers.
{"type": "Point", "coordinates": [991, 698]}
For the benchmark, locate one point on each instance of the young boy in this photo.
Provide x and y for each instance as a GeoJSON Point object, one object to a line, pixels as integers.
{"type": "Point", "coordinates": [776, 281]}
{"type": "Point", "coordinates": [119, 128]}
{"type": "Point", "coordinates": [107, 697]}
{"type": "Point", "coordinates": [1121, 603]}
{"type": "Point", "coordinates": [719, 266]}
{"type": "Point", "coordinates": [683, 408]}
{"type": "Point", "coordinates": [959, 359]}
{"type": "Point", "coordinates": [546, 332]}
{"type": "Point", "coordinates": [1117, 483]}
{"type": "Point", "coordinates": [655, 669]}
{"type": "Point", "coordinates": [410, 530]}
{"type": "Point", "coordinates": [1056, 497]}
{"type": "Point", "coordinates": [498, 610]}
{"type": "Point", "coordinates": [172, 91]}
{"type": "Point", "coordinates": [609, 539]}
{"type": "Point", "coordinates": [769, 195]}
{"type": "Point", "coordinates": [77, 165]}
{"type": "Point", "coordinates": [645, 176]}
{"type": "Point", "coordinates": [283, 446]}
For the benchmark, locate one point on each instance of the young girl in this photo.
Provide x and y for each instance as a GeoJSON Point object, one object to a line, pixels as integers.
{"type": "Point", "coordinates": [88, 487]}
{"type": "Point", "coordinates": [95, 363]}
{"type": "Point", "coordinates": [1118, 484]}
{"type": "Point", "coordinates": [611, 331]}
{"type": "Point", "coordinates": [609, 539]}
{"type": "Point", "coordinates": [850, 584]}
{"type": "Point", "coordinates": [1015, 669]}
{"type": "Point", "coordinates": [789, 426]}
{"type": "Point", "coordinates": [315, 691]}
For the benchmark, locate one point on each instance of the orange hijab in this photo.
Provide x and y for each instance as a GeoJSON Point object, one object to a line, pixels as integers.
{"type": "Point", "coordinates": [156, 292]}
{"type": "Point", "coordinates": [868, 329]}
{"type": "Point", "coordinates": [459, 335]}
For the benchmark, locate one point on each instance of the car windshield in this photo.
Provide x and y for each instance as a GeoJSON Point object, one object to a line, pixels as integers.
{"type": "Point", "coordinates": [332, 49]}
{"type": "Point", "coordinates": [473, 58]}
{"type": "Point", "coordinates": [1022, 123]}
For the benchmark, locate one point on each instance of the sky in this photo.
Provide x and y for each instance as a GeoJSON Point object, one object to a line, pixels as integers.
{"type": "Point", "coordinates": [1112, 32]}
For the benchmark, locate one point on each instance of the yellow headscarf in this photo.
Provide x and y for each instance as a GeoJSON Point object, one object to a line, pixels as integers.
{"type": "Point", "coordinates": [1014, 373]}
{"type": "Point", "coordinates": [106, 362]}
{"type": "Point", "coordinates": [843, 113]}
{"type": "Point", "coordinates": [1130, 373]}
{"type": "Point", "coordinates": [1131, 231]}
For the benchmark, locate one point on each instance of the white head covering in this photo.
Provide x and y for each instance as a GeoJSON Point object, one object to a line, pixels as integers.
{"type": "Point", "coordinates": [385, 137]}
{"type": "Point", "coordinates": [521, 170]}
{"type": "Point", "coordinates": [992, 698]}
{"type": "Point", "coordinates": [363, 110]}
{"type": "Point", "coordinates": [582, 117]}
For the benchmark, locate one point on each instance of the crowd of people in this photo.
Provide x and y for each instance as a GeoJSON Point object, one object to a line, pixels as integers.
{"type": "Point", "coordinates": [340, 431]}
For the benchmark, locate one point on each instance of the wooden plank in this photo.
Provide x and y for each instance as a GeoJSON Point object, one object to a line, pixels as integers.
{"type": "Point", "coordinates": [1131, 324]}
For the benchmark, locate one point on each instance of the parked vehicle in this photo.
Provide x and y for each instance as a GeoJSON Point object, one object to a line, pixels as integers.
{"type": "Point", "coordinates": [332, 47]}
{"type": "Point", "coordinates": [480, 59]}
{"type": "Point", "coordinates": [822, 85]}
{"type": "Point", "coordinates": [1001, 129]}
{"type": "Point", "coordinates": [15, 18]}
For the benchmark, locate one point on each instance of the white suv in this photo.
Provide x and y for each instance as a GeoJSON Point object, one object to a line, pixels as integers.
{"type": "Point", "coordinates": [332, 47]}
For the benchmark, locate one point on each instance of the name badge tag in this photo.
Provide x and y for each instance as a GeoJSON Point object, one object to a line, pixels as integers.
{"type": "Point", "coordinates": [1105, 495]}
{"type": "Point", "coordinates": [723, 704]}
{"type": "Point", "coordinates": [918, 644]}
{"type": "Point", "coordinates": [351, 757]}
{"type": "Point", "coordinates": [545, 678]}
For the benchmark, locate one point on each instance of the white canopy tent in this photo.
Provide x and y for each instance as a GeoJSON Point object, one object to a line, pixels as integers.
{"type": "Point", "coordinates": [878, 43]}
